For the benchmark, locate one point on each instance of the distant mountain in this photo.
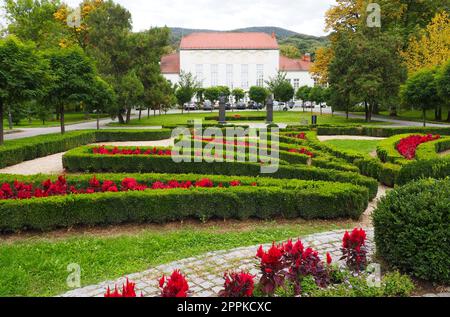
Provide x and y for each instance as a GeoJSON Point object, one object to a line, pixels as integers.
{"type": "Point", "coordinates": [306, 43]}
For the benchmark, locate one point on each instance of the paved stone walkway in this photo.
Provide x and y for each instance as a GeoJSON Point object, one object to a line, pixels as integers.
{"type": "Point", "coordinates": [205, 272]}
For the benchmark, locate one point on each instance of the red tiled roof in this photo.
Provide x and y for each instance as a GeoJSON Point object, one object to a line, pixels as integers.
{"type": "Point", "coordinates": [229, 41]}
{"type": "Point", "coordinates": [292, 65]}
{"type": "Point", "coordinates": [170, 64]}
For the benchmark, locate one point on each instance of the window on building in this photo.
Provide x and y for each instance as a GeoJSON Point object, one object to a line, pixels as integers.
{"type": "Point", "coordinates": [244, 76]}
{"type": "Point", "coordinates": [214, 75]}
{"type": "Point", "coordinates": [199, 74]}
{"type": "Point", "coordinates": [260, 75]}
{"type": "Point", "coordinates": [230, 74]}
{"type": "Point", "coordinates": [296, 83]}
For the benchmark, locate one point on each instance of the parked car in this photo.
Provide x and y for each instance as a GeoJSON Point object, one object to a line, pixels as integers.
{"type": "Point", "coordinates": [254, 105]}
{"type": "Point", "coordinates": [241, 106]}
{"type": "Point", "coordinates": [309, 105]}
{"type": "Point", "coordinates": [190, 106]}
{"type": "Point", "coordinates": [228, 106]}
{"type": "Point", "coordinates": [208, 106]}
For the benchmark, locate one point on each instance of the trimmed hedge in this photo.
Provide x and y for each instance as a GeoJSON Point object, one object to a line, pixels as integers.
{"type": "Point", "coordinates": [386, 173]}
{"type": "Point", "coordinates": [235, 118]}
{"type": "Point", "coordinates": [271, 198]}
{"type": "Point", "coordinates": [17, 151]}
{"type": "Point", "coordinates": [379, 131]}
{"type": "Point", "coordinates": [412, 229]}
{"type": "Point", "coordinates": [431, 150]}
{"type": "Point", "coordinates": [387, 150]}
{"type": "Point", "coordinates": [434, 168]}
{"type": "Point", "coordinates": [82, 160]}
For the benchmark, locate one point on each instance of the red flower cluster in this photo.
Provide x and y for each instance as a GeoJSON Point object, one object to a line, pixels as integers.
{"type": "Point", "coordinates": [407, 147]}
{"type": "Point", "coordinates": [48, 188]}
{"type": "Point", "coordinates": [301, 136]}
{"type": "Point", "coordinates": [116, 151]}
{"type": "Point", "coordinates": [128, 290]}
{"type": "Point", "coordinates": [175, 286]}
{"type": "Point", "coordinates": [290, 261]}
{"type": "Point", "coordinates": [302, 151]}
{"type": "Point", "coordinates": [224, 142]}
{"type": "Point", "coordinates": [354, 250]}
{"type": "Point", "coordinates": [238, 285]}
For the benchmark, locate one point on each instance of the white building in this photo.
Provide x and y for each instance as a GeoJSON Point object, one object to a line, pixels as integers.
{"type": "Point", "coordinates": [236, 60]}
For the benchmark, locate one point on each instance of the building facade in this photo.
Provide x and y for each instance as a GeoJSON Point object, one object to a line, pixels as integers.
{"type": "Point", "coordinates": [236, 60]}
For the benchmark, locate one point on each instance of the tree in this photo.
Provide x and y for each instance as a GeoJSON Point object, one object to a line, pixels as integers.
{"type": "Point", "coordinates": [200, 94]}
{"type": "Point", "coordinates": [432, 47]}
{"type": "Point", "coordinates": [303, 94]}
{"type": "Point", "coordinates": [73, 76]}
{"type": "Point", "coordinates": [101, 98]}
{"type": "Point", "coordinates": [212, 93]}
{"type": "Point", "coordinates": [443, 84]}
{"type": "Point", "coordinates": [225, 91]}
{"type": "Point", "coordinates": [186, 88]}
{"type": "Point", "coordinates": [23, 75]}
{"type": "Point", "coordinates": [420, 91]}
{"type": "Point", "coordinates": [281, 87]}
{"type": "Point", "coordinates": [32, 20]}
{"type": "Point", "coordinates": [319, 69]}
{"type": "Point", "coordinates": [258, 94]}
{"type": "Point", "coordinates": [238, 94]}
{"type": "Point", "coordinates": [317, 95]}
{"type": "Point", "coordinates": [130, 92]}
{"type": "Point", "coordinates": [290, 51]}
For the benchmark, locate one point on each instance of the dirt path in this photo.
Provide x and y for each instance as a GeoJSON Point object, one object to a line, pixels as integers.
{"type": "Point", "coordinates": [52, 164]}
{"type": "Point", "coordinates": [445, 153]}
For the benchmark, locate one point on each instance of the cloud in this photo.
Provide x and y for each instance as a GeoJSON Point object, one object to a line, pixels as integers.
{"type": "Point", "coordinates": [302, 16]}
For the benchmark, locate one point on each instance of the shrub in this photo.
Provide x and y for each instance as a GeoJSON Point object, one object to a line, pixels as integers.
{"type": "Point", "coordinates": [412, 229]}
{"type": "Point", "coordinates": [17, 151]}
{"type": "Point", "coordinates": [271, 198]}
{"type": "Point", "coordinates": [81, 160]}
{"type": "Point", "coordinates": [354, 250]}
{"type": "Point", "coordinates": [430, 150]}
{"type": "Point", "coordinates": [435, 168]}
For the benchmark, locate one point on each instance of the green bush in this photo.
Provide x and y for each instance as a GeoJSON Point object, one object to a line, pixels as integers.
{"type": "Point", "coordinates": [237, 118]}
{"type": "Point", "coordinates": [270, 198]}
{"type": "Point", "coordinates": [387, 150]}
{"type": "Point", "coordinates": [17, 151]}
{"type": "Point", "coordinates": [386, 173]}
{"type": "Point", "coordinates": [412, 229]}
{"type": "Point", "coordinates": [82, 160]}
{"type": "Point", "coordinates": [434, 168]}
{"type": "Point", "coordinates": [431, 150]}
{"type": "Point", "coordinates": [380, 132]}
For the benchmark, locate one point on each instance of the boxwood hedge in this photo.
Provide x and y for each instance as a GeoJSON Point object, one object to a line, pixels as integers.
{"type": "Point", "coordinates": [82, 160]}
{"type": "Point", "coordinates": [381, 132]}
{"type": "Point", "coordinates": [412, 229]}
{"type": "Point", "coordinates": [270, 198]}
{"type": "Point", "coordinates": [17, 151]}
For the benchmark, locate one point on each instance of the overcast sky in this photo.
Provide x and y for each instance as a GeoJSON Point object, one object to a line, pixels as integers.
{"type": "Point", "coordinates": [302, 16]}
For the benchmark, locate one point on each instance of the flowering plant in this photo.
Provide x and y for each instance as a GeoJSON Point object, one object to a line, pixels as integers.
{"type": "Point", "coordinates": [128, 290]}
{"type": "Point", "coordinates": [354, 249]}
{"type": "Point", "coordinates": [302, 151]}
{"type": "Point", "coordinates": [129, 151]}
{"type": "Point", "coordinates": [272, 268]}
{"type": "Point", "coordinates": [238, 285]}
{"type": "Point", "coordinates": [20, 190]}
{"type": "Point", "coordinates": [301, 136]}
{"type": "Point", "coordinates": [407, 147]}
{"type": "Point", "coordinates": [175, 286]}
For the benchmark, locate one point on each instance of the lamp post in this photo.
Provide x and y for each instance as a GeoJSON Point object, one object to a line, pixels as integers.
{"type": "Point", "coordinates": [269, 105]}
{"type": "Point", "coordinates": [222, 109]}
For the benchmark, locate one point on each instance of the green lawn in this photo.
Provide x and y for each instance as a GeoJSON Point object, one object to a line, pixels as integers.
{"type": "Point", "coordinates": [279, 117]}
{"type": "Point", "coordinates": [416, 115]}
{"type": "Point", "coordinates": [37, 266]}
{"type": "Point", "coordinates": [362, 146]}
{"type": "Point", "coordinates": [70, 118]}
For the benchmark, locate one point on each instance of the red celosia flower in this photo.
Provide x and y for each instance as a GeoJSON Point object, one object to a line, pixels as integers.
{"type": "Point", "coordinates": [175, 286]}
{"type": "Point", "coordinates": [128, 290]}
{"type": "Point", "coordinates": [354, 250]}
{"type": "Point", "coordinates": [407, 147]}
{"type": "Point", "coordinates": [329, 259]}
{"type": "Point", "coordinates": [238, 285]}
{"type": "Point", "coordinates": [102, 150]}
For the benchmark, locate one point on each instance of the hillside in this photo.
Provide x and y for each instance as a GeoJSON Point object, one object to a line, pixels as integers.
{"type": "Point", "coordinates": [306, 43]}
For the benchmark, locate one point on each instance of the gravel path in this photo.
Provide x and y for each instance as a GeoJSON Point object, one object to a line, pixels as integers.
{"type": "Point", "coordinates": [445, 153]}
{"type": "Point", "coordinates": [53, 164]}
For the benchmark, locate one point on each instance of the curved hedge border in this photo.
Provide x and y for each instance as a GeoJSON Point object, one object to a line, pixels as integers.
{"type": "Point", "coordinates": [387, 150]}
{"type": "Point", "coordinates": [379, 131]}
{"type": "Point", "coordinates": [412, 229]}
{"type": "Point", "coordinates": [17, 151]}
{"type": "Point", "coordinates": [271, 198]}
{"type": "Point", "coordinates": [82, 160]}
{"type": "Point", "coordinates": [431, 150]}
{"type": "Point", "coordinates": [236, 118]}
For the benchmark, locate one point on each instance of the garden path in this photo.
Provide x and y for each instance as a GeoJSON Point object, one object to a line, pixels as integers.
{"type": "Point", "coordinates": [324, 138]}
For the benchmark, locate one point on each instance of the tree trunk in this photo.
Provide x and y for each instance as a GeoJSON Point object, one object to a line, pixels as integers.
{"type": "Point", "coordinates": [10, 123]}
{"type": "Point", "coordinates": [1, 122]}
{"type": "Point", "coordinates": [448, 116]}
{"type": "Point", "coordinates": [375, 110]}
{"type": "Point", "coordinates": [120, 117]}
{"type": "Point", "coordinates": [393, 111]}
{"type": "Point", "coordinates": [424, 117]}
{"type": "Point", "coordinates": [148, 112]}
{"type": "Point", "coordinates": [61, 119]}
{"type": "Point", "coordinates": [98, 120]}
{"type": "Point", "coordinates": [320, 105]}
{"type": "Point", "coordinates": [140, 114]}
{"type": "Point", "coordinates": [128, 115]}
{"type": "Point", "coordinates": [438, 113]}
{"type": "Point", "coordinates": [366, 109]}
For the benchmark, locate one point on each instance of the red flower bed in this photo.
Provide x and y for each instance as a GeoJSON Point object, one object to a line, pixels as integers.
{"type": "Point", "coordinates": [302, 151]}
{"type": "Point", "coordinates": [407, 147]}
{"type": "Point", "coordinates": [128, 290]}
{"type": "Point", "coordinates": [129, 151]}
{"type": "Point", "coordinates": [238, 285]}
{"type": "Point", "coordinates": [224, 142]}
{"type": "Point", "coordinates": [20, 190]}
{"type": "Point", "coordinates": [301, 136]}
